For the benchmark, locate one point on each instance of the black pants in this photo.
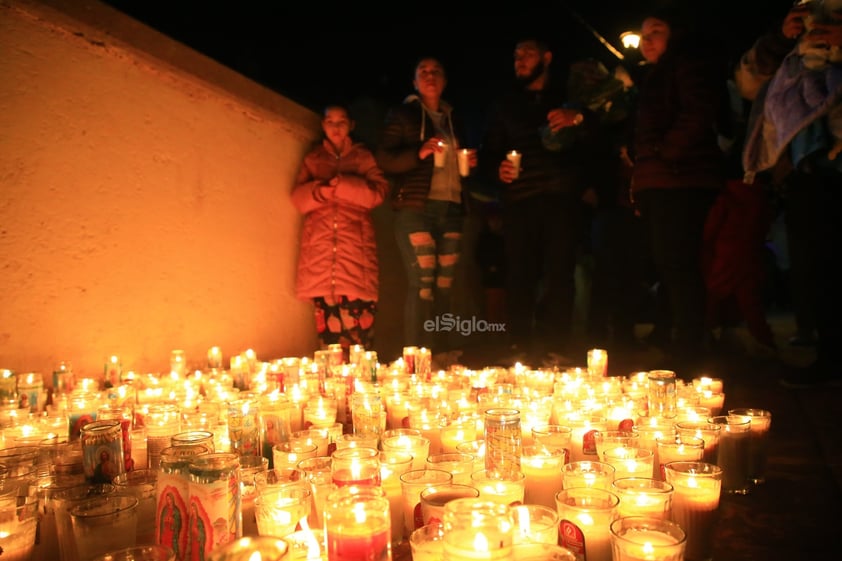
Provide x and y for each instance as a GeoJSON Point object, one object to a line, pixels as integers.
{"type": "Point", "coordinates": [674, 220]}
{"type": "Point", "coordinates": [542, 235]}
{"type": "Point", "coordinates": [826, 187]}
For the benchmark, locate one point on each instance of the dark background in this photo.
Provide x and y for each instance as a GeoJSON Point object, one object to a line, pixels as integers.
{"type": "Point", "coordinates": [363, 54]}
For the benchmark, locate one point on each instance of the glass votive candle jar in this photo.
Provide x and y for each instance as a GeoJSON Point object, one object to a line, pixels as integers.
{"type": "Point", "coordinates": [707, 431]}
{"type": "Point", "coordinates": [306, 545]}
{"type": "Point", "coordinates": [758, 446]}
{"type": "Point", "coordinates": [734, 452]}
{"type": "Point", "coordinates": [393, 464]}
{"type": "Point", "coordinates": [318, 477]}
{"type": "Point", "coordinates": [605, 439]}
{"type": "Point", "coordinates": [250, 466]}
{"type": "Point", "coordinates": [456, 433]}
{"type": "Point", "coordinates": [597, 362]}
{"type": "Point", "coordinates": [541, 469]}
{"type": "Point", "coordinates": [279, 510]}
{"type": "Point", "coordinates": [356, 441]}
{"type": "Point", "coordinates": [434, 498]}
{"type": "Point", "coordinates": [535, 523]}
{"type": "Point", "coordinates": [288, 454]}
{"type": "Point", "coordinates": [316, 436]}
{"type": "Point", "coordinates": [506, 488]}
{"type": "Point", "coordinates": [630, 462]}
{"type": "Point", "coordinates": [475, 448]}
{"type": "Point", "coordinates": [586, 473]}
{"type": "Point", "coordinates": [697, 487]}
{"type": "Point", "coordinates": [356, 466]}
{"type": "Point", "coordinates": [413, 482]}
{"type": "Point", "coordinates": [357, 524]}
{"type": "Point", "coordinates": [459, 465]}
{"type": "Point", "coordinates": [162, 420]}
{"type": "Point", "coordinates": [192, 437]}
{"type": "Point", "coordinates": [265, 548]}
{"type": "Point", "coordinates": [244, 425]}
{"type": "Point", "coordinates": [427, 542]}
{"type": "Point", "coordinates": [582, 443]}
{"type": "Point", "coordinates": [677, 449]}
{"type": "Point", "coordinates": [553, 437]}
{"type": "Point", "coordinates": [586, 513]}
{"type": "Point", "coordinates": [637, 537]}
{"type": "Point", "coordinates": [416, 445]}
{"type": "Point", "coordinates": [643, 496]}
{"type": "Point", "coordinates": [319, 412]}
{"type": "Point", "coordinates": [477, 529]}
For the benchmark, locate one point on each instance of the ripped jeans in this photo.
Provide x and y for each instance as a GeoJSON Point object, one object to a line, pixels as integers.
{"type": "Point", "coordinates": [430, 242]}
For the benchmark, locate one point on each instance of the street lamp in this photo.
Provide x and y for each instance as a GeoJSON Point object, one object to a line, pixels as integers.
{"type": "Point", "coordinates": [630, 39]}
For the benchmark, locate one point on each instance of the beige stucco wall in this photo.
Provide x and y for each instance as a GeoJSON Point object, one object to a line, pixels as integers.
{"type": "Point", "coordinates": [143, 197]}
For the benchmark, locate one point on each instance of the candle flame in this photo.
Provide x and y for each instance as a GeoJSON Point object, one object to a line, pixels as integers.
{"type": "Point", "coordinates": [481, 542]}
{"type": "Point", "coordinates": [359, 513]}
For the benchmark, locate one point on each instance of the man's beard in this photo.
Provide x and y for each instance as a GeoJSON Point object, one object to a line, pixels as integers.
{"type": "Point", "coordinates": [534, 75]}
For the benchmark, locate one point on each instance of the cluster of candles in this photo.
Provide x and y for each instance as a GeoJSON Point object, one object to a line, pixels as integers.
{"type": "Point", "coordinates": [357, 456]}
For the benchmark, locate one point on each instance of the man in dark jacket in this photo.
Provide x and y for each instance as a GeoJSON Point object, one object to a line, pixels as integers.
{"type": "Point", "coordinates": [541, 197]}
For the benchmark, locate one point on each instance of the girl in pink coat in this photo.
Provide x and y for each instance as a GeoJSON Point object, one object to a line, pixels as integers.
{"type": "Point", "coordinates": [338, 185]}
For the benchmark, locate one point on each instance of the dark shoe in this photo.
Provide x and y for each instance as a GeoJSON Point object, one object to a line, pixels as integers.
{"type": "Point", "coordinates": [812, 376]}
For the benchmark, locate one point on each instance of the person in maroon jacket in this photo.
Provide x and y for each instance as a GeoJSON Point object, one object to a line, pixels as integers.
{"type": "Point", "coordinates": [679, 169]}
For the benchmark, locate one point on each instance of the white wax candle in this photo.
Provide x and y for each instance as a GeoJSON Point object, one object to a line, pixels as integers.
{"type": "Point", "coordinates": [542, 478]}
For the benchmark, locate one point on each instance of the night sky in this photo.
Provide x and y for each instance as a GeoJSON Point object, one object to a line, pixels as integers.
{"type": "Point", "coordinates": [314, 53]}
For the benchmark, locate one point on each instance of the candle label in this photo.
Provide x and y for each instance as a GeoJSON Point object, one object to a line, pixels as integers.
{"type": "Point", "coordinates": [171, 517]}
{"type": "Point", "coordinates": [572, 537]}
{"type": "Point", "coordinates": [214, 513]}
{"type": "Point", "coordinates": [244, 430]}
{"type": "Point", "coordinates": [589, 443]}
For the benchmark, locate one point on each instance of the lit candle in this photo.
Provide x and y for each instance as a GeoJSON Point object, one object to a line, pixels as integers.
{"type": "Point", "coordinates": [586, 514]}
{"type": "Point", "coordinates": [645, 539]}
{"type": "Point", "coordinates": [629, 462]}
{"type": "Point", "coordinates": [695, 503]}
{"type": "Point", "coordinates": [392, 465]}
{"type": "Point", "coordinates": [357, 471]}
{"type": "Point", "coordinates": [278, 510]}
{"type": "Point", "coordinates": [357, 525]}
{"type": "Point", "coordinates": [535, 523]}
{"type": "Point", "coordinates": [496, 488]}
{"type": "Point", "coordinates": [597, 362]}
{"type": "Point", "coordinates": [643, 496]}
{"type": "Point", "coordinates": [587, 474]}
{"type": "Point", "coordinates": [542, 475]}
{"type": "Point", "coordinates": [475, 529]}
{"type": "Point", "coordinates": [582, 437]}
{"type": "Point", "coordinates": [456, 433]}
{"type": "Point", "coordinates": [215, 358]}
{"type": "Point", "coordinates": [678, 448]}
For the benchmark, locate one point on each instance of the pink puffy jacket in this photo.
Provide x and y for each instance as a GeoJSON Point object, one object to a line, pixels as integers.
{"type": "Point", "coordinates": [338, 253]}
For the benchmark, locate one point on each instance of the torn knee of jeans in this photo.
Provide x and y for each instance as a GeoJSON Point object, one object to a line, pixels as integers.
{"type": "Point", "coordinates": [444, 282]}
{"type": "Point", "coordinates": [426, 262]}
{"type": "Point", "coordinates": [421, 239]}
{"type": "Point", "coordinates": [425, 293]}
